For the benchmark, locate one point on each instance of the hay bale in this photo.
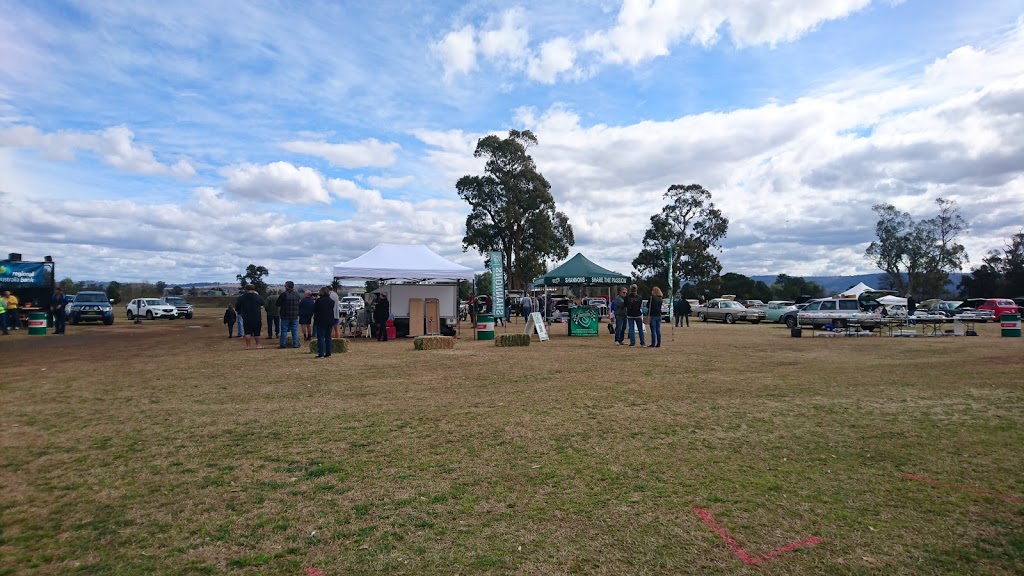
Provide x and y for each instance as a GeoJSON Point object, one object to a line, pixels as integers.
{"type": "Point", "coordinates": [338, 345]}
{"type": "Point", "coordinates": [433, 343]}
{"type": "Point", "coordinates": [512, 340]}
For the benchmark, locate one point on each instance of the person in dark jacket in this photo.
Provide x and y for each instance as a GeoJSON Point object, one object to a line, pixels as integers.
{"type": "Point", "coordinates": [229, 318]}
{"type": "Point", "coordinates": [687, 310]}
{"type": "Point", "coordinates": [381, 314]}
{"type": "Point", "coordinates": [635, 315]}
{"type": "Point", "coordinates": [306, 307]}
{"type": "Point", "coordinates": [323, 319]}
{"type": "Point", "coordinates": [654, 317]}
{"type": "Point", "coordinates": [288, 307]}
{"type": "Point", "coordinates": [273, 317]}
{"type": "Point", "coordinates": [618, 311]}
{"type": "Point", "coordinates": [57, 303]}
{"type": "Point", "coordinates": [250, 307]}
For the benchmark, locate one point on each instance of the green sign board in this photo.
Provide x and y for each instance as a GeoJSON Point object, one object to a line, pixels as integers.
{"type": "Point", "coordinates": [584, 321]}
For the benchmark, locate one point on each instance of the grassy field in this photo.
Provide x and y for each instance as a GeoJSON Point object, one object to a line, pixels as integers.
{"type": "Point", "coordinates": [164, 448]}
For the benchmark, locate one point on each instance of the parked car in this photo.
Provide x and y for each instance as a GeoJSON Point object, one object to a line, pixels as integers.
{"type": "Point", "coordinates": [179, 303]}
{"type": "Point", "coordinates": [351, 304]}
{"type": "Point", "coordinates": [1000, 306]}
{"type": "Point", "coordinates": [838, 312]}
{"type": "Point", "coordinates": [600, 303]}
{"type": "Point", "coordinates": [645, 308]}
{"type": "Point", "coordinates": [755, 304]}
{"type": "Point", "coordinates": [776, 308]}
{"type": "Point", "coordinates": [945, 307]}
{"type": "Point", "coordinates": [67, 307]}
{"type": "Point", "coordinates": [90, 307]}
{"type": "Point", "coordinates": [728, 311]}
{"type": "Point", "coordinates": [150, 308]}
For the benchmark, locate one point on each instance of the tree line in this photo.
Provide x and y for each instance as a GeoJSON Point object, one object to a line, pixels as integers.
{"type": "Point", "coordinates": [513, 212]}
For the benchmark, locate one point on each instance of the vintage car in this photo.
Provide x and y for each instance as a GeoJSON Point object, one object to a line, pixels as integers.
{"type": "Point", "coordinates": [836, 312]}
{"type": "Point", "coordinates": [776, 308]}
{"type": "Point", "coordinates": [728, 311]}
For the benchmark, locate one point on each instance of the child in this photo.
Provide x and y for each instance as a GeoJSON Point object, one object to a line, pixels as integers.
{"type": "Point", "coordinates": [229, 318]}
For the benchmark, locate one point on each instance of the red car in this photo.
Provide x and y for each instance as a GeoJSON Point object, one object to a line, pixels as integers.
{"type": "Point", "coordinates": [1000, 306]}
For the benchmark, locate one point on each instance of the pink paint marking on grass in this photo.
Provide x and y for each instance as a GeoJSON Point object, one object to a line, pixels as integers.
{"type": "Point", "coordinates": [313, 572]}
{"type": "Point", "coordinates": [738, 550]}
{"type": "Point", "coordinates": [1006, 497]}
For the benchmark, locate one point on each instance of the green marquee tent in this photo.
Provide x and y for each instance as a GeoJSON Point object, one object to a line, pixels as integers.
{"type": "Point", "coordinates": [579, 271]}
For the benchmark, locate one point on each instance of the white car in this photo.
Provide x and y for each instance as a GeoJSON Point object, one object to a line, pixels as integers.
{"type": "Point", "coordinates": [351, 304]}
{"type": "Point", "coordinates": [150, 308]}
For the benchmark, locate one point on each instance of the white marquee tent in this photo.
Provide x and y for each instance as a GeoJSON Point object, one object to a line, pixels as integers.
{"type": "Point", "coordinates": [856, 290]}
{"type": "Point", "coordinates": [408, 262]}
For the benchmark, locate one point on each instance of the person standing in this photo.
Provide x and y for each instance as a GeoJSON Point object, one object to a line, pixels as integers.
{"type": "Point", "coordinates": [618, 310]}
{"type": "Point", "coordinates": [323, 319]}
{"type": "Point", "coordinates": [273, 317]}
{"type": "Point", "coordinates": [250, 309]}
{"type": "Point", "coordinates": [911, 309]}
{"type": "Point", "coordinates": [3, 317]}
{"type": "Point", "coordinates": [526, 305]}
{"type": "Point", "coordinates": [229, 318]}
{"type": "Point", "coordinates": [655, 317]}
{"type": "Point", "coordinates": [288, 309]}
{"type": "Point", "coordinates": [381, 314]}
{"type": "Point", "coordinates": [336, 327]}
{"type": "Point", "coordinates": [57, 303]}
{"type": "Point", "coordinates": [306, 308]}
{"type": "Point", "coordinates": [508, 309]}
{"type": "Point", "coordinates": [687, 310]}
{"type": "Point", "coordinates": [677, 309]}
{"type": "Point", "coordinates": [635, 315]}
{"type": "Point", "coordinates": [11, 303]}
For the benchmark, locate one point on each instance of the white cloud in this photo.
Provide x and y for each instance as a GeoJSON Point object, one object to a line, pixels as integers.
{"type": "Point", "coordinates": [457, 52]}
{"type": "Point", "coordinates": [115, 146]}
{"type": "Point", "coordinates": [390, 181]}
{"type": "Point", "coordinates": [643, 30]}
{"type": "Point", "coordinates": [369, 153]}
{"type": "Point", "coordinates": [276, 182]}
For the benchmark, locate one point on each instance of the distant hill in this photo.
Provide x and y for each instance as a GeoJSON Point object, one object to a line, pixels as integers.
{"type": "Point", "coordinates": [837, 284]}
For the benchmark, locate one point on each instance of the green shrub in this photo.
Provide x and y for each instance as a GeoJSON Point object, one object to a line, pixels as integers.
{"type": "Point", "coordinates": [512, 340]}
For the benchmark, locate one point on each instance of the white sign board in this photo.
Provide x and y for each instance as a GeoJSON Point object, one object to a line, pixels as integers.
{"type": "Point", "coordinates": [536, 323]}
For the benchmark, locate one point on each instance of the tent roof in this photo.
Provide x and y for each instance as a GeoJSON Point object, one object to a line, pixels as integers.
{"type": "Point", "coordinates": [856, 290]}
{"type": "Point", "coordinates": [402, 262]}
{"type": "Point", "coordinates": [580, 270]}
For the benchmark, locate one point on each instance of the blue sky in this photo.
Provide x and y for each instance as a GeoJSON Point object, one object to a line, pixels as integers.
{"type": "Point", "coordinates": [161, 141]}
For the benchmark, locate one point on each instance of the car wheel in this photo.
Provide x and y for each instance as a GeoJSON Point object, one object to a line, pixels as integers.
{"type": "Point", "coordinates": [149, 314]}
{"type": "Point", "coordinates": [188, 316]}
{"type": "Point", "coordinates": [73, 320]}
{"type": "Point", "coordinates": [729, 319]}
{"type": "Point", "coordinates": [701, 317]}
{"type": "Point", "coordinates": [755, 321]}
{"type": "Point", "coordinates": [130, 315]}
{"type": "Point", "coordinates": [108, 321]}
{"type": "Point", "coordinates": [790, 322]}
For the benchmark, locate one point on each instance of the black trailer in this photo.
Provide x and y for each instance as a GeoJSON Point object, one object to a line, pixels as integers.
{"type": "Point", "coordinates": [32, 282]}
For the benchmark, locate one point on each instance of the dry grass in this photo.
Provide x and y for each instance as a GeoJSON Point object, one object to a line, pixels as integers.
{"type": "Point", "coordinates": [166, 449]}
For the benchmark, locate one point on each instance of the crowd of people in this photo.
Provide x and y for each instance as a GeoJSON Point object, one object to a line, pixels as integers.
{"type": "Point", "coordinates": [314, 316]}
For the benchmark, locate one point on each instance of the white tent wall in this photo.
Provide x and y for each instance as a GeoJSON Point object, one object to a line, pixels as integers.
{"type": "Point", "coordinates": [413, 262]}
{"type": "Point", "coordinates": [399, 294]}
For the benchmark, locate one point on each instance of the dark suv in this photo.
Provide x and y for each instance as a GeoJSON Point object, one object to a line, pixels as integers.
{"type": "Point", "coordinates": [91, 307]}
{"type": "Point", "coordinates": [183, 308]}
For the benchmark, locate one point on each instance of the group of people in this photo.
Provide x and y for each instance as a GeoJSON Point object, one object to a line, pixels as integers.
{"type": "Point", "coordinates": [626, 311]}
{"type": "Point", "coordinates": [315, 316]}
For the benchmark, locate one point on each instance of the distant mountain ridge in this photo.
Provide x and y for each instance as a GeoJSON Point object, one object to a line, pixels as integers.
{"type": "Point", "coordinates": [837, 284]}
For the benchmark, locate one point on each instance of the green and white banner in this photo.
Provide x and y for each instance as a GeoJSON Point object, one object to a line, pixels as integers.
{"type": "Point", "coordinates": [497, 285]}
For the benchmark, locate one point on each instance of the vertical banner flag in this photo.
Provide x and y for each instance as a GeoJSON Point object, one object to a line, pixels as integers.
{"type": "Point", "coordinates": [497, 285]}
{"type": "Point", "coordinates": [671, 290]}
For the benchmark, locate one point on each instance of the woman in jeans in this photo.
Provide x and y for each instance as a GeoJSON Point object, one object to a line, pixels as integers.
{"type": "Point", "coordinates": [655, 317]}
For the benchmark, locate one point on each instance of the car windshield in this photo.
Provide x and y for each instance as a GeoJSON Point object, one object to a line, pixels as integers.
{"type": "Point", "coordinates": [176, 301]}
{"type": "Point", "coordinates": [350, 300]}
{"type": "Point", "coordinates": [730, 304]}
{"type": "Point", "coordinates": [91, 298]}
{"type": "Point", "coordinates": [153, 302]}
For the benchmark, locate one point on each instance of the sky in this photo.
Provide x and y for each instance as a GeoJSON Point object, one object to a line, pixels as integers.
{"type": "Point", "coordinates": [181, 141]}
